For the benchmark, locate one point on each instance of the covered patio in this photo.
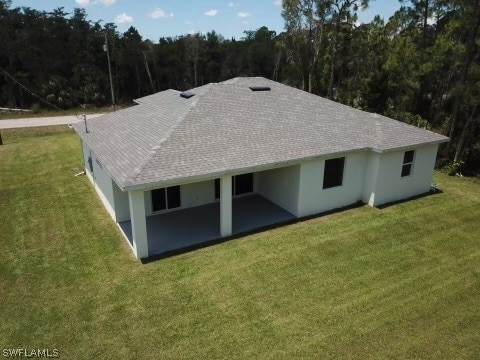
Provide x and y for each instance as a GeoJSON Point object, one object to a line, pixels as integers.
{"type": "Point", "coordinates": [185, 228]}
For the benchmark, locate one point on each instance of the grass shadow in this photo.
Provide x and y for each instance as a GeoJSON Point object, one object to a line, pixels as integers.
{"type": "Point", "coordinates": [432, 192]}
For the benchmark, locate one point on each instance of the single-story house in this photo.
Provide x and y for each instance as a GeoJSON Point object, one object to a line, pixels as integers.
{"type": "Point", "coordinates": [183, 168]}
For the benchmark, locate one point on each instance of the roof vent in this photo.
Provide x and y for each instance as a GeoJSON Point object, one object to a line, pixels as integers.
{"type": "Point", "coordinates": [186, 95]}
{"type": "Point", "coordinates": [260, 88]}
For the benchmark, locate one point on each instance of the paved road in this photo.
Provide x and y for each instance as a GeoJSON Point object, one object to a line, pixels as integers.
{"type": "Point", "coordinates": [42, 121]}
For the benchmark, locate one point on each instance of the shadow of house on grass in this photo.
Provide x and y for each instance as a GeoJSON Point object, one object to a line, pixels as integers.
{"type": "Point", "coordinates": [433, 191]}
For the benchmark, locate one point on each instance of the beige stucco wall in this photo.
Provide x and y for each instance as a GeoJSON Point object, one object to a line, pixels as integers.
{"type": "Point", "coordinates": [314, 199]}
{"type": "Point", "coordinates": [384, 182]}
{"type": "Point", "coordinates": [280, 186]}
{"type": "Point", "coordinates": [115, 201]}
{"type": "Point", "coordinates": [101, 180]}
{"type": "Point", "coordinates": [374, 178]}
{"type": "Point", "coordinates": [120, 200]}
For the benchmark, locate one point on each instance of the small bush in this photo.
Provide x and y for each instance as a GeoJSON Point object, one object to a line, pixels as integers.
{"type": "Point", "coordinates": [35, 108]}
{"type": "Point", "coordinates": [453, 168]}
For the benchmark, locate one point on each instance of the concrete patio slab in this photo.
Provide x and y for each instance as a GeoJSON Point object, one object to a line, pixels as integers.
{"type": "Point", "coordinates": [185, 228]}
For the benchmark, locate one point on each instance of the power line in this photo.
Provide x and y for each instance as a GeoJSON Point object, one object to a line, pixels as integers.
{"type": "Point", "coordinates": [28, 90]}
{"type": "Point", "coordinates": [75, 94]}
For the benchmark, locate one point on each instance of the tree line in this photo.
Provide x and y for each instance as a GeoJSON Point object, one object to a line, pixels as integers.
{"type": "Point", "coordinates": [422, 66]}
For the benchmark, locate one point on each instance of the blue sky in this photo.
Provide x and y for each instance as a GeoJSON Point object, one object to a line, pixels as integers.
{"type": "Point", "coordinates": [159, 18]}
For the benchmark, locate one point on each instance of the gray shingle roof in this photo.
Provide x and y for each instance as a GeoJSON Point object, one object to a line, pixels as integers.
{"type": "Point", "coordinates": [227, 127]}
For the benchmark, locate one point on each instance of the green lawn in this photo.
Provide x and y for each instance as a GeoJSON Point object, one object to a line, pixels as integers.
{"type": "Point", "coordinates": [402, 282]}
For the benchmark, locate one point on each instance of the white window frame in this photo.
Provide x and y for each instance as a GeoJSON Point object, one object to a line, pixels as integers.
{"type": "Point", "coordinates": [411, 163]}
{"type": "Point", "coordinates": [234, 188]}
{"type": "Point", "coordinates": [167, 209]}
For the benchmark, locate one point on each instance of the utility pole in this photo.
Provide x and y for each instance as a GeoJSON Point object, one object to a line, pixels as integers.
{"type": "Point", "coordinates": [105, 48]}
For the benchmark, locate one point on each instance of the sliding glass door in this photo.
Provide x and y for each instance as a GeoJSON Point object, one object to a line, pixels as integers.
{"type": "Point", "coordinates": [241, 184]}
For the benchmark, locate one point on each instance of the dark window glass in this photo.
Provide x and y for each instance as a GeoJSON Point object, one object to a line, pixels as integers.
{"type": "Point", "coordinates": [173, 197]}
{"type": "Point", "coordinates": [406, 169]}
{"type": "Point", "coordinates": [407, 163]}
{"type": "Point", "coordinates": [159, 201]}
{"type": "Point", "coordinates": [243, 184]}
{"type": "Point", "coordinates": [333, 174]}
{"type": "Point", "coordinates": [217, 188]}
{"type": "Point", "coordinates": [408, 157]}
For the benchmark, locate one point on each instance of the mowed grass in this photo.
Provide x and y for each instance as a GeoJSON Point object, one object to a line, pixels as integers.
{"type": "Point", "coordinates": [402, 282]}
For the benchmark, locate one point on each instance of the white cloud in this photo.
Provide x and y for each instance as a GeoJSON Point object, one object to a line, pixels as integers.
{"type": "Point", "coordinates": [105, 3]}
{"type": "Point", "coordinates": [212, 12]}
{"type": "Point", "coordinates": [159, 14]}
{"type": "Point", "coordinates": [277, 2]}
{"type": "Point", "coordinates": [244, 14]}
{"type": "Point", "coordinates": [83, 2]}
{"type": "Point", "coordinates": [231, 4]}
{"type": "Point", "coordinates": [123, 19]}
{"type": "Point", "coordinates": [191, 32]}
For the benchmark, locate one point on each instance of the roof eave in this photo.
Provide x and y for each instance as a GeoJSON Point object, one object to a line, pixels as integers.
{"type": "Point", "coordinates": [197, 178]}
{"type": "Point", "coordinates": [406, 147]}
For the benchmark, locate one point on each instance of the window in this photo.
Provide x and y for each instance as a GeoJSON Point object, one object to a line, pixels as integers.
{"type": "Point", "coordinates": [241, 184]}
{"type": "Point", "coordinates": [217, 188]}
{"type": "Point", "coordinates": [173, 197]}
{"type": "Point", "coordinates": [407, 163]}
{"type": "Point", "coordinates": [166, 198]}
{"type": "Point", "coordinates": [333, 174]}
{"type": "Point", "coordinates": [159, 200]}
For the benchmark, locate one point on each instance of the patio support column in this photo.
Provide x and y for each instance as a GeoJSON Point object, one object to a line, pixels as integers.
{"type": "Point", "coordinates": [225, 206]}
{"type": "Point", "coordinates": [139, 223]}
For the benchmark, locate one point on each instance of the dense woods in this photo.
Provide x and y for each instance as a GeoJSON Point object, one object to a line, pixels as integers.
{"type": "Point", "coordinates": [422, 66]}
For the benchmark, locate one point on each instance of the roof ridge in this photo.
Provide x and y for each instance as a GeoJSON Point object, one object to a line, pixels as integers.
{"type": "Point", "coordinates": [138, 170]}
{"type": "Point", "coordinates": [140, 99]}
